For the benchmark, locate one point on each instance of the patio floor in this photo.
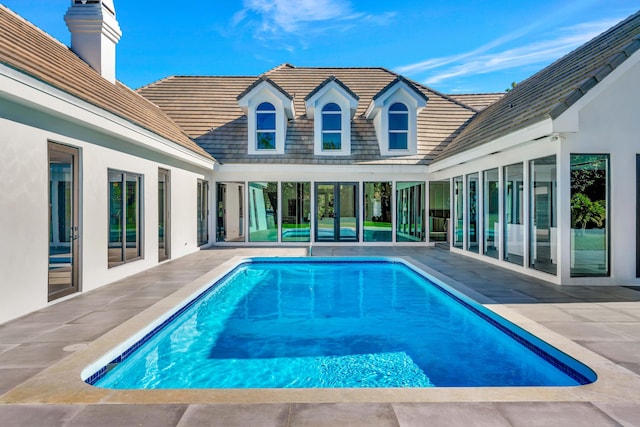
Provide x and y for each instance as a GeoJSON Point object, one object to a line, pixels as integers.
{"type": "Point", "coordinates": [599, 325]}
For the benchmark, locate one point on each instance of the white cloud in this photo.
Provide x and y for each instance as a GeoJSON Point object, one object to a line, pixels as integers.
{"type": "Point", "coordinates": [487, 59]}
{"type": "Point", "coordinates": [270, 19]}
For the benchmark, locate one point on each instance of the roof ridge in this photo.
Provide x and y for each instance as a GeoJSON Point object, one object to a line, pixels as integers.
{"type": "Point", "coordinates": [278, 67]}
{"type": "Point", "coordinates": [155, 82]}
{"type": "Point", "coordinates": [476, 93]}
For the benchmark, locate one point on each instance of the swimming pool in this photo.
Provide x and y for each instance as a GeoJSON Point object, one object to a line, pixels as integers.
{"type": "Point", "coordinates": [316, 322]}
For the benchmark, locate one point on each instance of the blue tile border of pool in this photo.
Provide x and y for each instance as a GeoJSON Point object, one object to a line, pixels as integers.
{"type": "Point", "coordinates": [567, 370]}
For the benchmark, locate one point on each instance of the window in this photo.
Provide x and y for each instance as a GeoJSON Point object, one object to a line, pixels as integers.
{"type": "Point", "coordinates": [331, 127]}
{"type": "Point", "coordinates": [472, 212]}
{"type": "Point", "coordinates": [203, 212]}
{"type": "Point", "coordinates": [263, 211]}
{"type": "Point", "coordinates": [589, 214]}
{"type": "Point", "coordinates": [543, 252]}
{"type": "Point", "coordinates": [491, 213]}
{"type": "Point", "coordinates": [410, 207]}
{"type": "Point", "coordinates": [377, 212]}
{"type": "Point", "coordinates": [266, 126]}
{"type": "Point", "coordinates": [439, 210]}
{"type": "Point", "coordinates": [267, 107]}
{"type": "Point", "coordinates": [394, 111]}
{"type": "Point", "coordinates": [458, 212]}
{"type": "Point", "coordinates": [513, 215]}
{"type": "Point", "coordinates": [230, 212]}
{"type": "Point", "coordinates": [125, 217]}
{"type": "Point", "coordinates": [164, 215]}
{"type": "Point", "coordinates": [296, 211]}
{"type": "Point", "coordinates": [398, 127]}
{"type": "Point", "coordinates": [332, 105]}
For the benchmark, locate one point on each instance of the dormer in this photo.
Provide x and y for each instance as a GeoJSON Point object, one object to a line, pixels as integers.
{"type": "Point", "coordinates": [268, 108]}
{"type": "Point", "coordinates": [332, 105]}
{"type": "Point", "coordinates": [394, 111]}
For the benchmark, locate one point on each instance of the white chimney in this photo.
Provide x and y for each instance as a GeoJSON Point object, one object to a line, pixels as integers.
{"type": "Point", "coordinates": [94, 34]}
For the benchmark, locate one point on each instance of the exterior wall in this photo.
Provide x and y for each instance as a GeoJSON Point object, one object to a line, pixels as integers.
{"type": "Point", "coordinates": [608, 124]}
{"type": "Point", "coordinates": [24, 247]}
{"type": "Point", "coordinates": [604, 121]}
{"type": "Point", "coordinates": [518, 153]}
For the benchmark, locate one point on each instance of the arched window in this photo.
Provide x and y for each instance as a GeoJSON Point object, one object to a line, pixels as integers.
{"type": "Point", "coordinates": [331, 127]}
{"type": "Point", "coordinates": [266, 126]}
{"type": "Point", "coordinates": [398, 126]}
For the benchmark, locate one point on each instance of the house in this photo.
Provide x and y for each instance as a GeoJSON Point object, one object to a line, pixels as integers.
{"type": "Point", "coordinates": [535, 180]}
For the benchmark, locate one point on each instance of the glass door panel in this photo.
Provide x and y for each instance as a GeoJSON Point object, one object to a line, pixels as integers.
{"type": "Point", "coordinates": [348, 219]}
{"type": "Point", "coordinates": [203, 212]}
{"type": "Point", "coordinates": [63, 221]}
{"type": "Point", "coordinates": [325, 213]}
{"type": "Point", "coordinates": [543, 254]}
{"type": "Point", "coordinates": [472, 212]}
{"type": "Point", "coordinates": [163, 214]}
{"type": "Point", "coordinates": [337, 212]}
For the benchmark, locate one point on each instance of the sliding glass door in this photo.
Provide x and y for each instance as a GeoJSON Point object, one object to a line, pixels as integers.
{"type": "Point", "coordinates": [336, 212]}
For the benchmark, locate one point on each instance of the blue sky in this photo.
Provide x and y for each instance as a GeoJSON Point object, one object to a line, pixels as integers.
{"type": "Point", "coordinates": [468, 46]}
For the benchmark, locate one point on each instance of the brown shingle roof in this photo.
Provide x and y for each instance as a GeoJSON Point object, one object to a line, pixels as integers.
{"type": "Point", "coordinates": [206, 107]}
{"type": "Point", "coordinates": [28, 49]}
{"type": "Point", "coordinates": [551, 91]}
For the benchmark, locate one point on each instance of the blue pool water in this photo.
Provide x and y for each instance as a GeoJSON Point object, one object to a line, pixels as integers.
{"type": "Point", "coordinates": [273, 323]}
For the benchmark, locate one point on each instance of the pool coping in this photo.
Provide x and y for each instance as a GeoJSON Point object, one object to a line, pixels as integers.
{"type": "Point", "coordinates": [62, 383]}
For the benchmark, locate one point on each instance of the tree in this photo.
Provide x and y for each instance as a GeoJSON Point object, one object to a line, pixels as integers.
{"type": "Point", "coordinates": [585, 211]}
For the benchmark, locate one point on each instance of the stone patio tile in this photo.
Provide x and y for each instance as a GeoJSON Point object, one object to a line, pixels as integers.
{"type": "Point", "coordinates": [32, 355]}
{"type": "Point", "coordinates": [6, 347]}
{"type": "Point", "coordinates": [71, 333]}
{"type": "Point", "coordinates": [627, 414]}
{"type": "Point", "coordinates": [128, 415]}
{"type": "Point", "coordinates": [107, 319]}
{"type": "Point", "coordinates": [633, 367]}
{"type": "Point", "coordinates": [263, 415]}
{"type": "Point", "coordinates": [37, 415]}
{"type": "Point", "coordinates": [599, 313]}
{"type": "Point", "coordinates": [449, 415]}
{"type": "Point", "coordinates": [545, 414]}
{"type": "Point", "coordinates": [342, 414]}
{"type": "Point", "coordinates": [9, 378]}
{"type": "Point", "coordinates": [133, 302]}
{"type": "Point", "coordinates": [17, 332]}
{"type": "Point", "coordinates": [620, 352]}
{"type": "Point", "coordinates": [629, 329]}
{"type": "Point", "coordinates": [543, 312]}
{"type": "Point", "coordinates": [581, 331]}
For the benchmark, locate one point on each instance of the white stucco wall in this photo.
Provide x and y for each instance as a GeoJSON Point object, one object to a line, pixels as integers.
{"type": "Point", "coordinates": [24, 185]}
{"type": "Point", "coordinates": [608, 124]}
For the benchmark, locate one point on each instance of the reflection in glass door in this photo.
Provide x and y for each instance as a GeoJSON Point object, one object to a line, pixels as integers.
{"type": "Point", "coordinates": [336, 212]}
{"type": "Point", "coordinates": [63, 221]}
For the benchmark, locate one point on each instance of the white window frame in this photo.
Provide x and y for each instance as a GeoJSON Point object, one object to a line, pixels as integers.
{"type": "Point", "coordinates": [266, 92]}
{"type": "Point", "coordinates": [378, 110]}
{"type": "Point", "coordinates": [332, 92]}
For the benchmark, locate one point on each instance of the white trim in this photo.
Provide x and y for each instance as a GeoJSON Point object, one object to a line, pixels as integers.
{"type": "Point", "coordinates": [332, 92]}
{"type": "Point", "coordinates": [512, 140]}
{"type": "Point", "coordinates": [378, 110]}
{"type": "Point", "coordinates": [266, 92]}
